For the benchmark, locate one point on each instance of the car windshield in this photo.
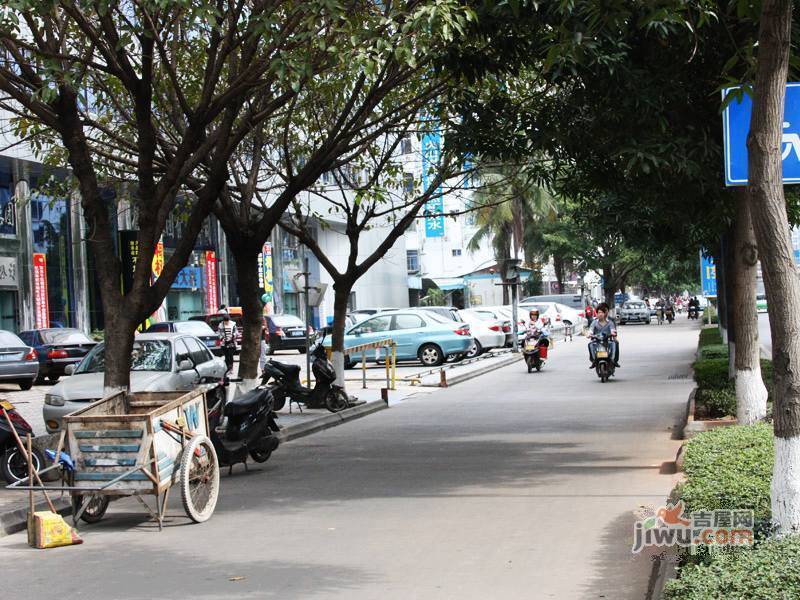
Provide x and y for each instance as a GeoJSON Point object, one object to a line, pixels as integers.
{"type": "Point", "coordinates": [287, 321]}
{"type": "Point", "coordinates": [476, 315]}
{"type": "Point", "coordinates": [435, 316]}
{"type": "Point", "coordinates": [193, 327]}
{"type": "Point", "coordinates": [64, 336]}
{"type": "Point", "coordinates": [8, 340]}
{"type": "Point", "coordinates": [147, 355]}
{"type": "Point", "coordinates": [542, 308]}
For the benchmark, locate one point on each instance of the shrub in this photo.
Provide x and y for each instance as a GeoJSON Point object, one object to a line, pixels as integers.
{"type": "Point", "coordinates": [770, 571]}
{"type": "Point", "coordinates": [711, 373]}
{"type": "Point", "coordinates": [710, 336]}
{"type": "Point", "coordinates": [718, 402]}
{"type": "Point", "coordinates": [730, 468]}
{"type": "Point", "coordinates": [713, 351]}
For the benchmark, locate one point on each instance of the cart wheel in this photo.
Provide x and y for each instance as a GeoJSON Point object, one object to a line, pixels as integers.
{"type": "Point", "coordinates": [199, 478]}
{"type": "Point", "coordinates": [98, 504]}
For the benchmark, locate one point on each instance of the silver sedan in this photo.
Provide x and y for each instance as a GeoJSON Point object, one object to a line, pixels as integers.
{"type": "Point", "coordinates": [161, 362]}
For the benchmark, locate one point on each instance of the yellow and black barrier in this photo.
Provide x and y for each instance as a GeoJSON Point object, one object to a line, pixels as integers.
{"type": "Point", "coordinates": [391, 359]}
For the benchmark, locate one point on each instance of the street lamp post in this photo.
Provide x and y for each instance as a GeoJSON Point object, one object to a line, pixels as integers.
{"type": "Point", "coordinates": [510, 276]}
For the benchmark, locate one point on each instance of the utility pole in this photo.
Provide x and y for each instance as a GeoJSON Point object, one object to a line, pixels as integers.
{"type": "Point", "coordinates": [510, 275]}
{"type": "Point", "coordinates": [306, 274]}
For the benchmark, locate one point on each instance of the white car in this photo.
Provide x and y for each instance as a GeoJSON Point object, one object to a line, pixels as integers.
{"type": "Point", "coordinates": [486, 330]}
{"type": "Point", "coordinates": [161, 362]}
{"type": "Point", "coordinates": [551, 311]}
{"type": "Point", "coordinates": [496, 313]}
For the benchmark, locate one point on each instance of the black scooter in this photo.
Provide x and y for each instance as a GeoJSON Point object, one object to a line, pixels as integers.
{"type": "Point", "coordinates": [243, 427]}
{"type": "Point", "coordinates": [693, 312]}
{"type": "Point", "coordinates": [286, 382]}
{"type": "Point", "coordinates": [14, 466]}
{"type": "Point", "coordinates": [603, 359]}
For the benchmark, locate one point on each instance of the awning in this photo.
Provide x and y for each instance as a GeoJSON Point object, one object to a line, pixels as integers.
{"type": "Point", "coordinates": [449, 283]}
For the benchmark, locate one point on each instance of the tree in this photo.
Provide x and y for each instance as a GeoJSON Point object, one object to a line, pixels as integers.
{"type": "Point", "coordinates": [771, 225]}
{"type": "Point", "coordinates": [143, 92]}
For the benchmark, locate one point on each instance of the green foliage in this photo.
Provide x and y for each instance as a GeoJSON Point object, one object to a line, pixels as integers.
{"type": "Point", "coordinates": [710, 336]}
{"type": "Point", "coordinates": [718, 402]}
{"type": "Point", "coordinates": [711, 373]}
{"type": "Point", "coordinates": [730, 468]}
{"type": "Point", "coordinates": [768, 572]}
{"type": "Point", "coordinates": [714, 316]}
{"type": "Point", "coordinates": [712, 351]}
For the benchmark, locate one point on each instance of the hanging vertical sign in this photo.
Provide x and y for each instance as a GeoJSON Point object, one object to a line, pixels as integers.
{"type": "Point", "coordinates": [128, 253]}
{"type": "Point", "coordinates": [431, 153]}
{"type": "Point", "coordinates": [708, 276]}
{"type": "Point", "coordinates": [212, 297]}
{"type": "Point", "coordinates": [157, 268]}
{"type": "Point", "coordinates": [41, 304]}
{"type": "Point", "coordinates": [267, 252]}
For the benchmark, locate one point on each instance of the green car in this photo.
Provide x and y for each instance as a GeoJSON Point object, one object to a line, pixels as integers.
{"type": "Point", "coordinates": [761, 303]}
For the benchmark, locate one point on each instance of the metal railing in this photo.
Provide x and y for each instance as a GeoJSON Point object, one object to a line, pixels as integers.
{"type": "Point", "coordinates": [390, 358]}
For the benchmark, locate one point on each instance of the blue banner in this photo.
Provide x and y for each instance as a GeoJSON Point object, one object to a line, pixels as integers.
{"type": "Point", "coordinates": [189, 278]}
{"type": "Point", "coordinates": [708, 276]}
{"type": "Point", "coordinates": [431, 153]}
{"type": "Point", "coordinates": [736, 127]}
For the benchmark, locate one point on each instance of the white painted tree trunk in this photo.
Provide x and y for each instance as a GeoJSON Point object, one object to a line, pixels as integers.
{"type": "Point", "coordinates": [771, 223]}
{"type": "Point", "coordinates": [745, 359]}
{"type": "Point", "coordinates": [786, 485]}
{"type": "Point", "coordinates": [337, 358]}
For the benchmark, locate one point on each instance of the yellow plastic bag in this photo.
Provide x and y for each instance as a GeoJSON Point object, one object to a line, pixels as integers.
{"type": "Point", "coordinates": [47, 529]}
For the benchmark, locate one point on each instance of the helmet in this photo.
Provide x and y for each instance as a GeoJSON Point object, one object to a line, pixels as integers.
{"type": "Point", "coordinates": [533, 312]}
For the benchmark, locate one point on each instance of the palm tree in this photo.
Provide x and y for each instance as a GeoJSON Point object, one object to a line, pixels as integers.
{"type": "Point", "coordinates": [509, 203]}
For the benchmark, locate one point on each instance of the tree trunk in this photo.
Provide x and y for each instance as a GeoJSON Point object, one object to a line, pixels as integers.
{"type": "Point", "coordinates": [751, 393]}
{"type": "Point", "coordinates": [609, 286]}
{"type": "Point", "coordinates": [252, 309]}
{"type": "Point", "coordinates": [117, 345]}
{"type": "Point", "coordinates": [558, 268]}
{"type": "Point", "coordinates": [771, 226]}
{"type": "Point", "coordinates": [728, 292]}
{"type": "Point", "coordinates": [341, 296]}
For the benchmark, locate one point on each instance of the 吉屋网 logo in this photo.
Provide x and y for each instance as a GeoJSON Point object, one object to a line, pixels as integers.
{"type": "Point", "coordinates": [670, 526]}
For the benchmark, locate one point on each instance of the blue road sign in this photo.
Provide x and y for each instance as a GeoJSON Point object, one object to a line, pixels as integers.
{"type": "Point", "coordinates": [708, 276]}
{"type": "Point", "coordinates": [736, 126]}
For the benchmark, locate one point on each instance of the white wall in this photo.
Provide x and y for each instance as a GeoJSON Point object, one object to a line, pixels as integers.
{"type": "Point", "coordinates": [384, 285]}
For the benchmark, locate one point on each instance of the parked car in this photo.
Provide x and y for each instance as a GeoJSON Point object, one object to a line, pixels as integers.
{"type": "Point", "coordinates": [362, 313]}
{"type": "Point", "coordinates": [19, 363]}
{"type": "Point", "coordinates": [548, 310]}
{"type": "Point", "coordinates": [449, 312]}
{"type": "Point", "coordinates": [571, 316]}
{"type": "Point", "coordinates": [634, 311]}
{"type": "Point", "coordinates": [161, 362]}
{"type": "Point", "coordinates": [57, 347]}
{"type": "Point", "coordinates": [487, 332]}
{"type": "Point", "coordinates": [200, 330]}
{"type": "Point", "coordinates": [574, 301]}
{"type": "Point", "coordinates": [422, 336]}
{"type": "Point", "coordinates": [285, 332]}
{"type": "Point", "coordinates": [496, 314]}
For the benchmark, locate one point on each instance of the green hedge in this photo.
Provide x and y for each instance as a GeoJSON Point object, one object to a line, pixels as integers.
{"type": "Point", "coordinates": [710, 336]}
{"type": "Point", "coordinates": [729, 468]}
{"type": "Point", "coordinates": [711, 373]}
{"type": "Point", "coordinates": [769, 572]}
{"type": "Point", "coordinates": [712, 351]}
{"type": "Point", "coordinates": [719, 402]}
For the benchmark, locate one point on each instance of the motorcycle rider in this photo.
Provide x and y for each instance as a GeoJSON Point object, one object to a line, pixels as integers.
{"type": "Point", "coordinates": [603, 324]}
{"type": "Point", "coordinates": [537, 323]}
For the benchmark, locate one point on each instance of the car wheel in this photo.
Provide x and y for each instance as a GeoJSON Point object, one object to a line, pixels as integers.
{"type": "Point", "coordinates": [301, 350]}
{"type": "Point", "coordinates": [26, 385]}
{"type": "Point", "coordinates": [475, 350]}
{"type": "Point", "coordinates": [431, 355]}
{"type": "Point", "coordinates": [39, 380]}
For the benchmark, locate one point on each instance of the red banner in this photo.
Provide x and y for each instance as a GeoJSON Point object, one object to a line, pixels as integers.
{"type": "Point", "coordinates": [212, 298]}
{"type": "Point", "coordinates": [40, 303]}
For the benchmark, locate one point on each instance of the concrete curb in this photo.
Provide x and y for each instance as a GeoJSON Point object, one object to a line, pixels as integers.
{"type": "Point", "coordinates": [294, 432]}
{"type": "Point", "coordinates": [456, 379]}
{"type": "Point", "coordinates": [15, 520]}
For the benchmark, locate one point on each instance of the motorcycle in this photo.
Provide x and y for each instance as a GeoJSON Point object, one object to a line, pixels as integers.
{"type": "Point", "coordinates": [244, 426]}
{"type": "Point", "coordinates": [693, 312]}
{"type": "Point", "coordinates": [603, 359]}
{"type": "Point", "coordinates": [535, 350]}
{"type": "Point", "coordinates": [14, 466]}
{"type": "Point", "coordinates": [286, 382]}
{"type": "Point", "coordinates": [669, 314]}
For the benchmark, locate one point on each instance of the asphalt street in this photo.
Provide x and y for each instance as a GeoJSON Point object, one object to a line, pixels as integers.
{"type": "Point", "coordinates": [511, 485]}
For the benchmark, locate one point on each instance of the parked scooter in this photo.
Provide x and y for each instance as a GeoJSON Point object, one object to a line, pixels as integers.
{"type": "Point", "coordinates": [243, 426]}
{"type": "Point", "coordinates": [14, 466]}
{"type": "Point", "coordinates": [535, 349]}
{"type": "Point", "coordinates": [603, 358]}
{"type": "Point", "coordinates": [286, 382]}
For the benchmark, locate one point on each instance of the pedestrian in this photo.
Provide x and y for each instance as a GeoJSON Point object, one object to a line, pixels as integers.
{"type": "Point", "coordinates": [589, 312]}
{"type": "Point", "coordinates": [262, 351]}
{"type": "Point", "coordinates": [227, 333]}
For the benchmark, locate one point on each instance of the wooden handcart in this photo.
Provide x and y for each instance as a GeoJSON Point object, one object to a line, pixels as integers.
{"type": "Point", "coordinates": [137, 445]}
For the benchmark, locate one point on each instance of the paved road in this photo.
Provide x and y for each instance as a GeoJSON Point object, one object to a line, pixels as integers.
{"type": "Point", "coordinates": [511, 485]}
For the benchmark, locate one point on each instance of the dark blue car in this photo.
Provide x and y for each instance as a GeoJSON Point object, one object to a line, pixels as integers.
{"type": "Point", "coordinates": [57, 347]}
